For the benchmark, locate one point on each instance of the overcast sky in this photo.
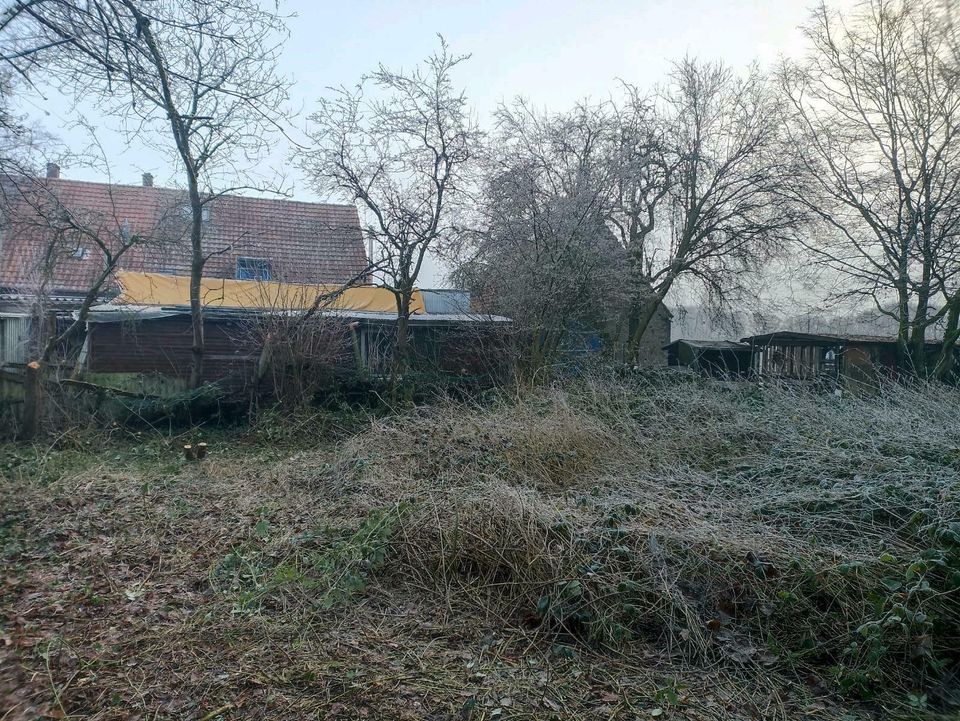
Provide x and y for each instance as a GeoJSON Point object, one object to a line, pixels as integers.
{"type": "Point", "coordinates": [553, 53]}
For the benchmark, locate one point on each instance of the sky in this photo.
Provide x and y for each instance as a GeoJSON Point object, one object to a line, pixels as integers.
{"type": "Point", "coordinates": [551, 53]}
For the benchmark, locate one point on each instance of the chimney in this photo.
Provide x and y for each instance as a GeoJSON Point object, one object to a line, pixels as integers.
{"type": "Point", "coordinates": [53, 170]}
{"type": "Point", "coordinates": [148, 180]}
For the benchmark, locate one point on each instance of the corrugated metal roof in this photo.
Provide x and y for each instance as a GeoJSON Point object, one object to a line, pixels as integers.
{"type": "Point", "coordinates": [446, 300]}
{"type": "Point", "coordinates": [133, 313]}
{"type": "Point", "coordinates": [710, 344]}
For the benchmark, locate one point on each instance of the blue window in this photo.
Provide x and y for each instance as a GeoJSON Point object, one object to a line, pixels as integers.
{"type": "Point", "coordinates": [253, 269]}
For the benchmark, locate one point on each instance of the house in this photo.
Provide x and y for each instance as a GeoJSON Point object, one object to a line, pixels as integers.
{"type": "Point", "coordinates": [47, 266]}
{"type": "Point", "coordinates": [141, 341]}
{"type": "Point", "coordinates": [244, 237]}
{"type": "Point", "coordinates": [268, 260]}
{"type": "Point", "coordinates": [717, 358]}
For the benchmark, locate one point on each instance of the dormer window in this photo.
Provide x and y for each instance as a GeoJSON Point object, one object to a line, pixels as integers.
{"type": "Point", "coordinates": [187, 212]}
{"type": "Point", "coordinates": [253, 269]}
{"type": "Point", "coordinates": [80, 253]}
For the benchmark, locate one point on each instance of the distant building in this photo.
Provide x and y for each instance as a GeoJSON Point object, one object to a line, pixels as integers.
{"type": "Point", "coordinates": [655, 337]}
{"type": "Point", "coordinates": [44, 267]}
{"type": "Point", "coordinates": [145, 345]}
{"type": "Point", "coordinates": [585, 339]}
{"type": "Point", "coordinates": [853, 359]}
{"type": "Point", "coordinates": [265, 256]}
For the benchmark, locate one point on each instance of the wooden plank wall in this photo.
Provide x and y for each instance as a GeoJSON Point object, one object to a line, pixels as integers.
{"type": "Point", "coordinates": [164, 346]}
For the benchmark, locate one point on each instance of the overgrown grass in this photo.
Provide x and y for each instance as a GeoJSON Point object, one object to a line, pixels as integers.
{"type": "Point", "coordinates": [742, 526]}
{"type": "Point", "coordinates": [608, 548]}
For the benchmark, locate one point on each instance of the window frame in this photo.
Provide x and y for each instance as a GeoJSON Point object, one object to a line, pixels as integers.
{"type": "Point", "coordinates": [260, 264]}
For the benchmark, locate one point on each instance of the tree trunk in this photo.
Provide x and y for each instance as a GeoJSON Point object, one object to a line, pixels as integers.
{"type": "Point", "coordinates": [196, 275]}
{"type": "Point", "coordinates": [918, 335]}
{"type": "Point", "coordinates": [181, 136]}
{"type": "Point", "coordinates": [196, 320]}
{"type": "Point", "coordinates": [903, 332]}
{"type": "Point", "coordinates": [944, 367]}
{"type": "Point", "coordinates": [400, 359]}
{"type": "Point", "coordinates": [918, 355]}
{"type": "Point", "coordinates": [544, 349]}
{"type": "Point", "coordinates": [646, 313]}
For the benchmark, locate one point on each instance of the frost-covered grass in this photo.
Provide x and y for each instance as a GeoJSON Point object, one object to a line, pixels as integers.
{"type": "Point", "coordinates": [607, 548]}
{"type": "Point", "coordinates": [769, 527]}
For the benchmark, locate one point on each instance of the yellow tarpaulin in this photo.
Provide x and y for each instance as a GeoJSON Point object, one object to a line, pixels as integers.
{"type": "Point", "coordinates": [174, 290]}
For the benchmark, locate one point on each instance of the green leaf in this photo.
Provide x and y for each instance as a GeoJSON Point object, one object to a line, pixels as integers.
{"type": "Point", "coordinates": [892, 584]}
{"type": "Point", "coordinates": [262, 529]}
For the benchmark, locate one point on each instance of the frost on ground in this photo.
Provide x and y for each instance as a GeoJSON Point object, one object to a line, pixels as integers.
{"type": "Point", "coordinates": [611, 548]}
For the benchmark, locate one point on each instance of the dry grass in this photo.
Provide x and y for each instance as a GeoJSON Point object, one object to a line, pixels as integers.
{"type": "Point", "coordinates": [606, 549]}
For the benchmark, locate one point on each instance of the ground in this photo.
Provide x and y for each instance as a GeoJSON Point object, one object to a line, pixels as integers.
{"type": "Point", "coordinates": [607, 549]}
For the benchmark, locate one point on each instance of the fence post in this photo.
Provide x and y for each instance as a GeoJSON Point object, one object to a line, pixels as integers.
{"type": "Point", "coordinates": [32, 402]}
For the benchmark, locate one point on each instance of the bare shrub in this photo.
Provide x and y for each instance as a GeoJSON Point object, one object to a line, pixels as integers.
{"type": "Point", "coordinates": [299, 354]}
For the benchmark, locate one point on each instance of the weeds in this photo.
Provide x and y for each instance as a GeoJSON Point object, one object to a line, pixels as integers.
{"type": "Point", "coordinates": [612, 547]}
{"type": "Point", "coordinates": [754, 527]}
{"type": "Point", "coordinates": [320, 569]}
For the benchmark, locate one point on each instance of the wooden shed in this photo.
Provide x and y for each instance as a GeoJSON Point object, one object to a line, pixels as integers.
{"type": "Point", "coordinates": [148, 348]}
{"type": "Point", "coordinates": [718, 358]}
{"type": "Point", "coordinates": [812, 356]}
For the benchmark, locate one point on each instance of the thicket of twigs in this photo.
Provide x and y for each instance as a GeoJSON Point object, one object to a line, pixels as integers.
{"type": "Point", "coordinates": [610, 547]}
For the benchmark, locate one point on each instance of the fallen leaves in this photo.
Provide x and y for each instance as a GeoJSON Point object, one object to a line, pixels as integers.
{"type": "Point", "coordinates": [550, 703]}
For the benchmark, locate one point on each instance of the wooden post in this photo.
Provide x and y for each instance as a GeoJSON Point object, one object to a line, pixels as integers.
{"type": "Point", "coordinates": [32, 401]}
{"type": "Point", "coordinates": [355, 340]}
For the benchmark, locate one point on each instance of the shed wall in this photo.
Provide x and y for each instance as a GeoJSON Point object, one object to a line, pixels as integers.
{"type": "Point", "coordinates": [14, 339]}
{"type": "Point", "coordinates": [164, 346]}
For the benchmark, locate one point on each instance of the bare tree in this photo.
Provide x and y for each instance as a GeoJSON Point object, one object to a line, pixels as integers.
{"type": "Point", "coordinates": [67, 235]}
{"type": "Point", "coordinates": [298, 351]}
{"type": "Point", "coordinates": [875, 120]}
{"type": "Point", "coordinates": [402, 154]}
{"type": "Point", "coordinates": [192, 77]}
{"type": "Point", "coordinates": [641, 173]}
{"type": "Point", "coordinates": [698, 184]}
{"type": "Point", "coordinates": [538, 249]}
{"type": "Point", "coordinates": [687, 185]}
{"type": "Point", "coordinates": [60, 246]}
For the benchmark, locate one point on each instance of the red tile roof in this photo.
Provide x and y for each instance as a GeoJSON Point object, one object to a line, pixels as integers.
{"type": "Point", "coordinates": [304, 242]}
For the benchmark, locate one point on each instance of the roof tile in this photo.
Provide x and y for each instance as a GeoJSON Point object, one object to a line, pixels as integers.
{"type": "Point", "coordinates": [304, 242]}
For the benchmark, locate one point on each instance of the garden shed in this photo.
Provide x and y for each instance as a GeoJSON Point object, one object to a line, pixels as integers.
{"type": "Point", "coordinates": [718, 358]}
